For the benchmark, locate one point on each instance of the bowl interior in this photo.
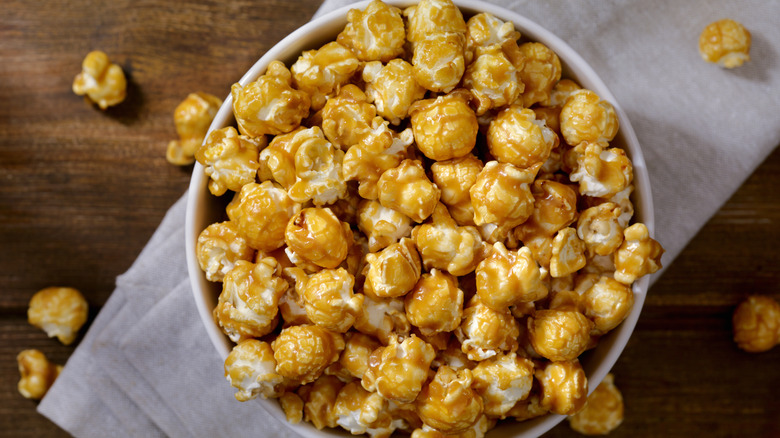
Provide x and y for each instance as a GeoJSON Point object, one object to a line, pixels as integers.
{"type": "Point", "coordinates": [204, 209]}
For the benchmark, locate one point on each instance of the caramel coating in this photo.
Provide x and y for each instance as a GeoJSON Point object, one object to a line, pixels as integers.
{"type": "Point", "coordinates": [261, 212]}
{"type": "Point", "coordinates": [358, 349]}
{"type": "Point", "coordinates": [560, 93]}
{"type": "Point", "coordinates": [318, 174]}
{"type": "Point", "coordinates": [445, 127]}
{"type": "Point", "coordinates": [315, 235]}
{"type": "Point", "coordinates": [407, 189]}
{"type": "Point", "coordinates": [607, 303]}
{"type": "Point", "coordinates": [192, 118]}
{"type": "Point", "coordinates": [383, 226]}
{"type": "Point", "coordinates": [502, 196]}
{"type": "Point", "coordinates": [485, 33]}
{"type": "Point", "coordinates": [559, 334]}
{"type": "Point", "coordinates": [725, 42]}
{"type": "Point", "coordinates": [393, 271]}
{"type": "Point", "coordinates": [302, 352]}
{"type": "Point", "coordinates": [430, 17]}
{"type": "Point", "coordinates": [603, 411]}
{"type": "Point", "coordinates": [485, 332]}
{"type": "Point", "coordinates": [515, 136]}
{"type": "Point", "coordinates": [599, 170]}
{"type": "Point", "coordinates": [502, 381]}
{"type": "Point", "coordinates": [599, 228]}
{"type": "Point", "coordinates": [320, 401]}
{"type": "Point", "coordinates": [320, 72]}
{"type": "Point", "coordinates": [362, 412]}
{"type": "Point", "coordinates": [249, 302]}
{"type": "Point", "coordinates": [292, 405]}
{"type": "Point", "coordinates": [392, 88]}
{"type": "Point", "coordinates": [376, 33]}
{"type": "Point", "coordinates": [438, 61]}
{"type": "Point", "coordinates": [564, 387]}
{"type": "Point", "coordinates": [586, 117]}
{"type": "Point", "coordinates": [506, 278]}
{"type": "Point", "coordinates": [398, 371]}
{"type": "Point", "coordinates": [448, 403]}
{"type": "Point", "coordinates": [529, 408]}
{"type": "Point", "coordinates": [219, 247]}
{"type": "Point", "coordinates": [492, 80]}
{"type": "Point", "coordinates": [229, 159]}
{"type": "Point", "coordinates": [349, 119]}
{"type": "Point", "coordinates": [100, 81]}
{"type": "Point", "coordinates": [454, 178]}
{"type": "Point", "coordinates": [269, 105]}
{"type": "Point", "coordinates": [365, 166]}
{"type": "Point", "coordinates": [37, 374]}
{"type": "Point", "coordinates": [329, 299]}
{"type": "Point", "coordinates": [58, 311]}
{"type": "Point", "coordinates": [568, 253]}
{"type": "Point", "coordinates": [756, 324]}
{"type": "Point", "coordinates": [251, 369]}
{"type": "Point", "coordinates": [540, 72]}
{"type": "Point", "coordinates": [445, 245]}
{"type": "Point", "coordinates": [435, 304]}
{"type": "Point", "coordinates": [555, 207]}
{"type": "Point", "coordinates": [638, 255]}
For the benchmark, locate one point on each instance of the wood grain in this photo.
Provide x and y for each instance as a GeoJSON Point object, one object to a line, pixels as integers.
{"type": "Point", "coordinates": [82, 190]}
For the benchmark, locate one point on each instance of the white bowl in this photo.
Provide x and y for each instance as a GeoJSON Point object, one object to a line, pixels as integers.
{"type": "Point", "coordinates": [204, 209]}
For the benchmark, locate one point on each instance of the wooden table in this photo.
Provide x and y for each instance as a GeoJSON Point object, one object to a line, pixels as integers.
{"type": "Point", "coordinates": [82, 190]}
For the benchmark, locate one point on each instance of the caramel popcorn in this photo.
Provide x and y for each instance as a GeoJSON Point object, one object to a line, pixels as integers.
{"type": "Point", "coordinates": [448, 403]}
{"type": "Point", "coordinates": [568, 253]}
{"type": "Point", "coordinates": [219, 247]}
{"type": "Point", "coordinates": [58, 311]}
{"type": "Point", "coordinates": [382, 318]}
{"type": "Point", "coordinates": [559, 334]}
{"type": "Point", "coordinates": [302, 352]}
{"type": "Point", "coordinates": [555, 207]}
{"type": "Point", "coordinates": [392, 88]}
{"type": "Point", "coordinates": [37, 374]}
{"type": "Point", "coordinates": [229, 159]}
{"type": "Point", "coordinates": [192, 118]}
{"type": "Point", "coordinates": [506, 278]}
{"type": "Point", "coordinates": [251, 369]}
{"type": "Point", "coordinates": [502, 381]}
{"type": "Point", "coordinates": [485, 332]}
{"type": "Point", "coordinates": [454, 178]}
{"type": "Point", "coordinates": [398, 371]}
{"type": "Point", "coordinates": [756, 324]}
{"type": "Point", "coordinates": [599, 170]}
{"type": "Point", "coordinates": [638, 255]}
{"type": "Point", "coordinates": [393, 271]}
{"type": "Point", "coordinates": [376, 33]}
{"type": "Point", "coordinates": [249, 303]}
{"type": "Point", "coordinates": [320, 401]}
{"type": "Point", "coordinates": [366, 167]}
{"type": "Point", "coordinates": [269, 105]}
{"type": "Point", "coordinates": [383, 226]}
{"type": "Point", "coordinates": [292, 405]}
{"type": "Point", "coordinates": [599, 228]}
{"type": "Point", "coordinates": [100, 81]}
{"type": "Point", "coordinates": [320, 72]}
{"type": "Point", "coordinates": [435, 304]}
{"type": "Point", "coordinates": [317, 236]}
{"type": "Point", "coordinates": [564, 387]}
{"type": "Point", "coordinates": [407, 189]}
{"type": "Point", "coordinates": [445, 127]}
{"type": "Point", "coordinates": [603, 411]}
{"type": "Point", "coordinates": [349, 119]}
{"type": "Point", "coordinates": [516, 137]}
{"type": "Point", "coordinates": [362, 412]}
{"type": "Point", "coordinates": [318, 174]}
{"type": "Point", "coordinates": [492, 80]}
{"type": "Point", "coordinates": [607, 303]}
{"type": "Point", "coordinates": [261, 212]}
{"type": "Point", "coordinates": [445, 245]}
{"type": "Point", "coordinates": [585, 117]}
{"type": "Point", "coordinates": [357, 350]}
{"type": "Point", "coordinates": [502, 196]}
{"type": "Point", "coordinates": [725, 42]}
{"type": "Point", "coordinates": [540, 72]}
{"type": "Point", "coordinates": [330, 301]}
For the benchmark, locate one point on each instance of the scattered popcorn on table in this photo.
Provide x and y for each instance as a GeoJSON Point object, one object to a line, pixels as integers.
{"type": "Point", "coordinates": [756, 324]}
{"type": "Point", "coordinates": [429, 226]}
{"type": "Point", "coordinates": [192, 118]}
{"type": "Point", "coordinates": [100, 81]}
{"type": "Point", "coordinates": [725, 42]}
{"type": "Point", "coordinates": [37, 374]}
{"type": "Point", "coordinates": [603, 411]}
{"type": "Point", "coordinates": [58, 311]}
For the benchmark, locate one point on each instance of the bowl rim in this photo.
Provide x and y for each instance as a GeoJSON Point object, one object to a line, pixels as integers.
{"type": "Point", "coordinates": [327, 25]}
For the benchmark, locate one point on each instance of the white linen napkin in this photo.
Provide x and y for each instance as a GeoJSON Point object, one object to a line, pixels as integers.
{"type": "Point", "coordinates": [146, 366]}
